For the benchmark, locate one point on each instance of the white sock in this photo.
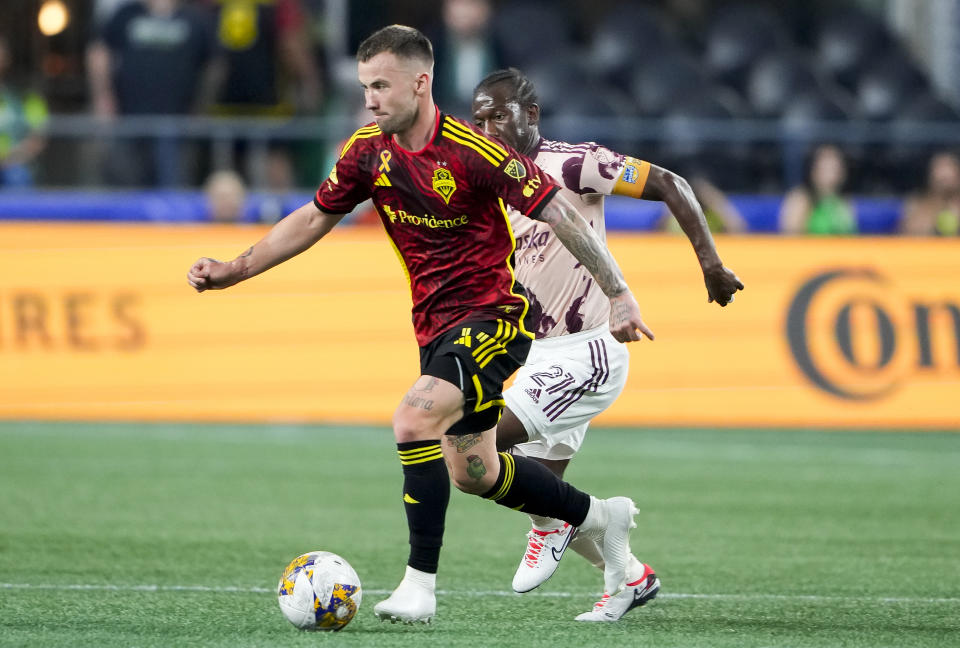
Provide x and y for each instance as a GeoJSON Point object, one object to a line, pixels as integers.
{"type": "Point", "coordinates": [634, 569]}
{"type": "Point", "coordinates": [541, 523]}
{"type": "Point", "coordinates": [423, 579]}
{"type": "Point", "coordinates": [596, 521]}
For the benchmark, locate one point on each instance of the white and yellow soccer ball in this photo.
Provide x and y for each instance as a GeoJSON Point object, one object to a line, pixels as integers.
{"type": "Point", "coordinates": [319, 591]}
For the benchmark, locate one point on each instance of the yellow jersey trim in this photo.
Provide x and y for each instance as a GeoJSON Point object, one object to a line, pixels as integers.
{"type": "Point", "coordinates": [513, 274]}
{"type": "Point", "coordinates": [470, 144]}
{"type": "Point", "coordinates": [362, 133]}
{"type": "Point", "coordinates": [495, 149]}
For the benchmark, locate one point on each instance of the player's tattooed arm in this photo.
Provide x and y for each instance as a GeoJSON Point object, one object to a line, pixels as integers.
{"type": "Point", "coordinates": [626, 324]}
{"type": "Point", "coordinates": [585, 245]}
{"type": "Point", "coordinates": [298, 231]}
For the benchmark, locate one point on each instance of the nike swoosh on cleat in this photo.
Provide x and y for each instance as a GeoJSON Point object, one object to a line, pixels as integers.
{"type": "Point", "coordinates": [558, 555]}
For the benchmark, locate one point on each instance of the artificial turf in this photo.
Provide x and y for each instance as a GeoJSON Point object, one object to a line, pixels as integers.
{"type": "Point", "coordinates": [175, 535]}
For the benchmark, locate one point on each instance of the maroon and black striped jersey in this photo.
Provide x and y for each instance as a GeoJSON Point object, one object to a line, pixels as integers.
{"type": "Point", "coordinates": [444, 208]}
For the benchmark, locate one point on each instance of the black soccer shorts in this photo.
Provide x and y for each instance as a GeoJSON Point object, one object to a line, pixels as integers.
{"type": "Point", "coordinates": [477, 357]}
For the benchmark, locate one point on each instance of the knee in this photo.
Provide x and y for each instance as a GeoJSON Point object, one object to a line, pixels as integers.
{"type": "Point", "coordinates": [408, 426]}
{"type": "Point", "coordinates": [415, 425]}
{"type": "Point", "coordinates": [475, 477]}
{"type": "Point", "coordinates": [471, 486]}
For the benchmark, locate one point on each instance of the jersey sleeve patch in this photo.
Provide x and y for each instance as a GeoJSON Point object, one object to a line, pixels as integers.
{"type": "Point", "coordinates": [632, 178]}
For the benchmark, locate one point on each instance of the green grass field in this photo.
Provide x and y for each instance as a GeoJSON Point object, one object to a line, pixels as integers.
{"type": "Point", "coordinates": [175, 535]}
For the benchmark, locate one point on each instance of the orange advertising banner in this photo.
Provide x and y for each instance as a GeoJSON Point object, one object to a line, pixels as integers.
{"type": "Point", "coordinates": [97, 322]}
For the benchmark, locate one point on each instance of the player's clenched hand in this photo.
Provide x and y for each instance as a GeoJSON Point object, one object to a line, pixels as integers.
{"type": "Point", "coordinates": [210, 274]}
{"type": "Point", "coordinates": [721, 284]}
{"type": "Point", "coordinates": [626, 325]}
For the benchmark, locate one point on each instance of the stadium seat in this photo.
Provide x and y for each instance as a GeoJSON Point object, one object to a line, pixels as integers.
{"type": "Point", "coordinates": [558, 79]}
{"type": "Point", "coordinates": [624, 38]}
{"type": "Point", "coordinates": [887, 84]}
{"type": "Point", "coordinates": [663, 78]}
{"type": "Point", "coordinates": [821, 103]}
{"type": "Point", "coordinates": [737, 36]}
{"type": "Point", "coordinates": [846, 42]}
{"type": "Point", "coordinates": [776, 79]}
{"type": "Point", "coordinates": [530, 32]}
{"type": "Point", "coordinates": [691, 128]}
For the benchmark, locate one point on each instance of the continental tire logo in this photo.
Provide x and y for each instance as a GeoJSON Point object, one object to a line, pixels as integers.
{"type": "Point", "coordinates": [853, 335]}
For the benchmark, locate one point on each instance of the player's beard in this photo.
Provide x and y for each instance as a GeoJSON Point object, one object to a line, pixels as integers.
{"type": "Point", "coordinates": [399, 123]}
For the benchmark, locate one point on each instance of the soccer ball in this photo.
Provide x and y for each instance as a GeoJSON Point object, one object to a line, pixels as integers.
{"type": "Point", "coordinates": [319, 591]}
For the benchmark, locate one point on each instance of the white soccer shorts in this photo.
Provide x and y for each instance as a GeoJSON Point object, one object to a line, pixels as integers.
{"type": "Point", "coordinates": [566, 381]}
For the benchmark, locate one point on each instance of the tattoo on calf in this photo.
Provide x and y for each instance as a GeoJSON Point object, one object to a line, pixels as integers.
{"type": "Point", "coordinates": [475, 467]}
{"type": "Point", "coordinates": [464, 442]}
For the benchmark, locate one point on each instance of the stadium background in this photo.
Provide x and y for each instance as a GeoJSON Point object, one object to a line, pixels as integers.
{"type": "Point", "coordinates": [736, 93]}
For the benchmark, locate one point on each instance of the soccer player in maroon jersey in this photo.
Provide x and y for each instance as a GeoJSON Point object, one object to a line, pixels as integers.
{"type": "Point", "coordinates": [441, 189]}
{"type": "Point", "coordinates": [575, 370]}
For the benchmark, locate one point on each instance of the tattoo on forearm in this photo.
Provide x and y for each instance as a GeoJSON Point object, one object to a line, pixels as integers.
{"type": "Point", "coordinates": [619, 313]}
{"type": "Point", "coordinates": [464, 442]}
{"type": "Point", "coordinates": [248, 252]}
{"type": "Point", "coordinates": [475, 467]}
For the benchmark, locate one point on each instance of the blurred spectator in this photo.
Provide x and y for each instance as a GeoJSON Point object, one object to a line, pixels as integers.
{"type": "Point", "coordinates": [721, 215]}
{"type": "Point", "coordinates": [820, 205]}
{"type": "Point", "coordinates": [261, 46]}
{"type": "Point", "coordinates": [103, 10]}
{"type": "Point", "coordinates": [23, 116]}
{"type": "Point", "coordinates": [935, 211]}
{"type": "Point", "coordinates": [226, 197]}
{"type": "Point", "coordinates": [264, 66]}
{"type": "Point", "coordinates": [465, 51]}
{"type": "Point", "coordinates": [148, 59]}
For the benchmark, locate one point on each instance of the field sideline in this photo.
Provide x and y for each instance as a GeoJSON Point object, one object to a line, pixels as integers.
{"type": "Point", "coordinates": [168, 535]}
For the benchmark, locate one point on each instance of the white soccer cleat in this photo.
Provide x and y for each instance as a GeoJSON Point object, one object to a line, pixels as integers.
{"type": "Point", "coordinates": [411, 602]}
{"type": "Point", "coordinates": [614, 541]}
{"type": "Point", "coordinates": [637, 593]}
{"type": "Point", "coordinates": [544, 551]}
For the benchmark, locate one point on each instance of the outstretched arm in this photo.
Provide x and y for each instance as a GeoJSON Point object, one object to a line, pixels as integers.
{"type": "Point", "coordinates": [288, 238]}
{"type": "Point", "coordinates": [578, 237]}
{"type": "Point", "coordinates": [679, 197]}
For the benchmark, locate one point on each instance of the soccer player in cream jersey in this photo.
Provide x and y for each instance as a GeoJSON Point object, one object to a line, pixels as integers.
{"type": "Point", "coordinates": [440, 188]}
{"type": "Point", "coordinates": [575, 369]}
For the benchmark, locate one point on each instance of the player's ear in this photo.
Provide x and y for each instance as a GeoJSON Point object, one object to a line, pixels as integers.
{"type": "Point", "coordinates": [533, 114]}
{"type": "Point", "coordinates": [423, 83]}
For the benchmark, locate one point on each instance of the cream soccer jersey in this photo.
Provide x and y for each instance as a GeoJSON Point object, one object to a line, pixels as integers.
{"type": "Point", "coordinates": [564, 297]}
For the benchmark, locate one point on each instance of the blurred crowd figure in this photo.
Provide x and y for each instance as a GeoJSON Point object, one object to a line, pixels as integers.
{"type": "Point", "coordinates": [225, 195]}
{"type": "Point", "coordinates": [148, 58]}
{"type": "Point", "coordinates": [465, 51]}
{"type": "Point", "coordinates": [23, 115]}
{"type": "Point", "coordinates": [820, 205]}
{"type": "Point", "coordinates": [935, 210]}
{"type": "Point", "coordinates": [264, 66]}
{"type": "Point", "coordinates": [176, 57]}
